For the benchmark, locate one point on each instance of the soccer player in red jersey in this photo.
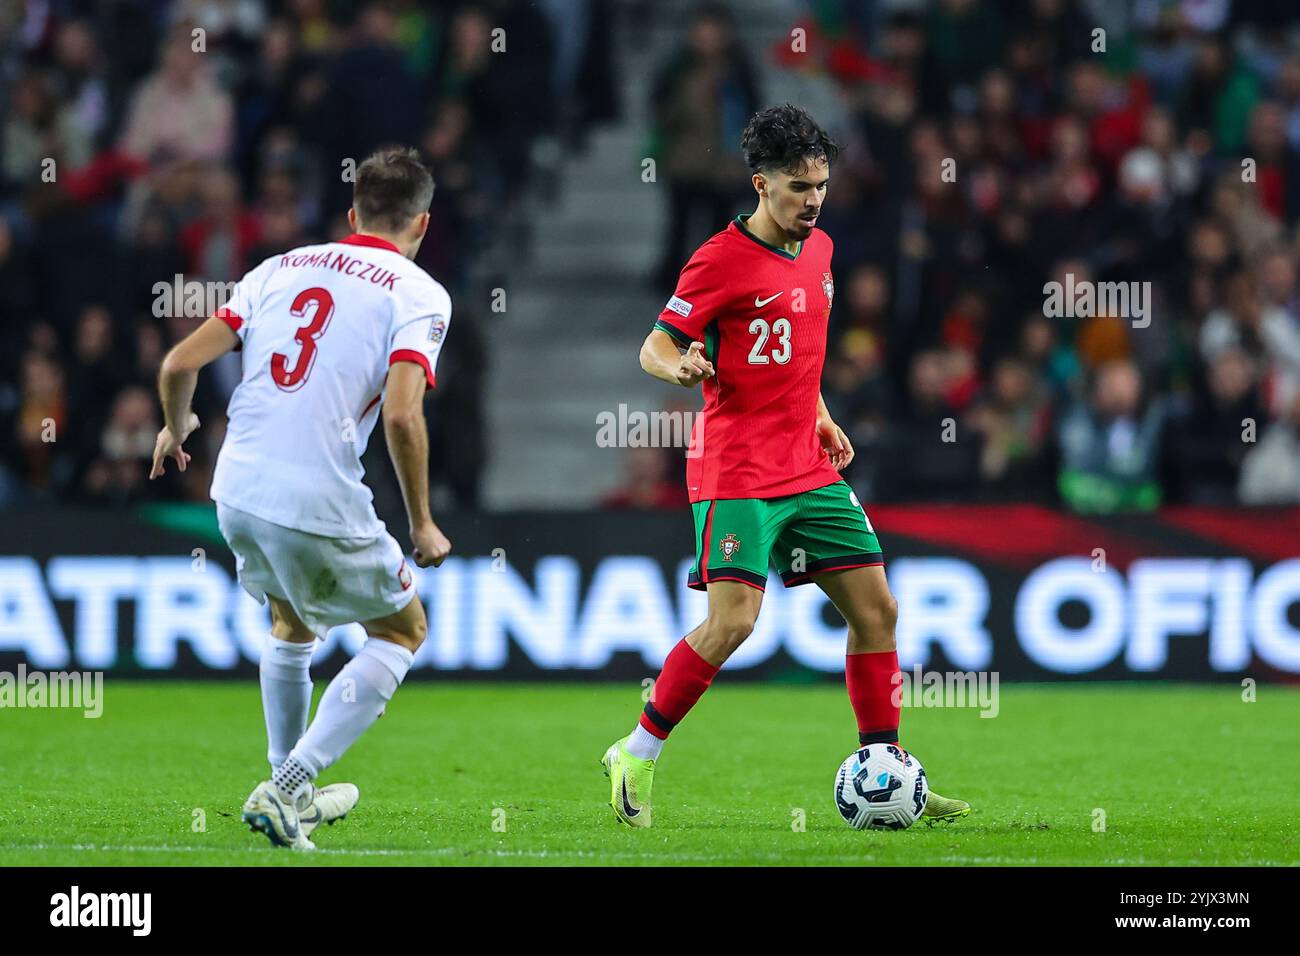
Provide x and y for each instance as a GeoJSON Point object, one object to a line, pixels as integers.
{"type": "Point", "coordinates": [748, 321]}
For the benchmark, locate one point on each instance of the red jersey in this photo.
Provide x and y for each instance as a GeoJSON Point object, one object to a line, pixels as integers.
{"type": "Point", "coordinates": [761, 314]}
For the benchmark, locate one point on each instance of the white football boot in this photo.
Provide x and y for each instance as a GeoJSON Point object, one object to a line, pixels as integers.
{"type": "Point", "coordinates": [326, 805]}
{"type": "Point", "coordinates": [265, 812]}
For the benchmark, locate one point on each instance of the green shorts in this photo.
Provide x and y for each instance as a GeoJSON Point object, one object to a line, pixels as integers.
{"type": "Point", "coordinates": [820, 530]}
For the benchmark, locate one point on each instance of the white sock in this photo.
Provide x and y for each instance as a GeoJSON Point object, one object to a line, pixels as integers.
{"type": "Point", "coordinates": [286, 694]}
{"type": "Point", "coordinates": [354, 700]}
{"type": "Point", "coordinates": [644, 745]}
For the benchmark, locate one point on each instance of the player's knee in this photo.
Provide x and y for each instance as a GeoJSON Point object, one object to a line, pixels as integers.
{"type": "Point", "coordinates": [408, 634]}
{"type": "Point", "coordinates": [874, 623]}
{"type": "Point", "coordinates": [413, 634]}
{"type": "Point", "coordinates": [408, 627]}
{"type": "Point", "coordinates": [730, 631]}
{"type": "Point", "coordinates": [889, 613]}
{"type": "Point", "coordinates": [284, 631]}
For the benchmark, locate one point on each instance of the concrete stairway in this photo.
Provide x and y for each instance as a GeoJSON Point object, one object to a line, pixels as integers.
{"type": "Point", "coordinates": [565, 349]}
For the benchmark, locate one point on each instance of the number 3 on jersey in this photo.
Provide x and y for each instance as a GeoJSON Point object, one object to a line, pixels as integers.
{"type": "Point", "coordinates": [781, 329]}
{"type": "Point", "coordinates": [292, 379]}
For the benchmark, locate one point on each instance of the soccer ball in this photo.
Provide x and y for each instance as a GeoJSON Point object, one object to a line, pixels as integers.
{"type": "Point", "coordinates": [881, 787]}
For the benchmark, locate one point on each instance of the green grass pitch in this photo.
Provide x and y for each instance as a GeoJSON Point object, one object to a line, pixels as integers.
{"type": "Point", "coordinates": [508, 775]}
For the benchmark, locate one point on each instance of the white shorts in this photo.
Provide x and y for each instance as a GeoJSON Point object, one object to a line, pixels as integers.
{"type": "Point", "coordinates": [328, 581]}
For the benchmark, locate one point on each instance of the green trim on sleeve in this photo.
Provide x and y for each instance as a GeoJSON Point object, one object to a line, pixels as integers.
{"type": "Point", "coordinates": [712, 339]}
{"type": "Point", "coordinates": [677, 335]}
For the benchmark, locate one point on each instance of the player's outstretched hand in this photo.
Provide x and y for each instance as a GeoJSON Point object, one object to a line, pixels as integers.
{"type": "Point", "coordinates": [169, 446]}
{"type": "Point", "coordinates": [835, 443]}
{"type": "Point", "coordinates": [694, 367]}
{"type": "Point", "coordinates": [431, 545]}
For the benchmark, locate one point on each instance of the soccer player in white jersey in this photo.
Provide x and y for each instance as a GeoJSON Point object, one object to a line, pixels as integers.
{"type": "Point", "coordinates": [333, 337]}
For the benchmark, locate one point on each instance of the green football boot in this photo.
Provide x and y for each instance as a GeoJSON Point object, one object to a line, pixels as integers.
{"type": "Point", "coordinates": [630, 781]}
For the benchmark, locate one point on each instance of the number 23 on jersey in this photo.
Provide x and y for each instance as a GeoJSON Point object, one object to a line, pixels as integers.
{"type": "Point", "coordinates": [779, 352]}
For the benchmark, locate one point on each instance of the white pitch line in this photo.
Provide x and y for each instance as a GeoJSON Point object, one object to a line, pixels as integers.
{"type": "Point", "coordinates": [451, 851]}
{"type": "Point", "coordinates": [430, 851]}
{"type": "Point", "coordinates": [950, 858]}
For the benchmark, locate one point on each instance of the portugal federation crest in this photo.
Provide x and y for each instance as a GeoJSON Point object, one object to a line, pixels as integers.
{"type": "Point", "coordinates": [829, 288]}
{"type": "Point", "coordinates": [729, 545]}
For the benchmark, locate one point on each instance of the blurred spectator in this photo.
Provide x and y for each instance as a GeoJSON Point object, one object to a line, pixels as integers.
{"type": "Point", "coordinates": [370, 99]}
{"type": "Point", "coordinates": [119, 472]}
{"type": "Point", "coordinates": [218, 244]}
{"type": "Point", "coordinates": [858, 396]}
{"type": "Point", "coordinates": [1053, 362]}
{"type": "Point", "coordinates": [1014, 419]}
{"type": "Point", "coordinates": [501, 106]}
{"type": "Point", "coordinates": [1270, 475]}
{"type": "Point", "coordinates": [702, 98]}
{"type": "Point", "coordinates": [39, 129]}
{"type": "Point", "coordinates": [95, 380]}
{"type": "Point", "coordinates": [646, 481]}
{"type": "Point", "coordinates": [1209, 444]}
{"type": "Point", "coordinates": [966, 38]}
{"type": "Point", "coordinates": [42, 417]}
{"type": "Point", "coordinates": [180, 114]}
{"type": "Point", "coordinates": [82, 82]}
{"type": "Point", "coordinates": [1219, 94]}
{"type": "Point", "coordinates": [928, 456]}
{"type": "Point", "coordinates": [1110, 445]}
{"type": "Point", "coordinates": [582, 79]}
{"type": "Point", "coordinates": [1277, 323]}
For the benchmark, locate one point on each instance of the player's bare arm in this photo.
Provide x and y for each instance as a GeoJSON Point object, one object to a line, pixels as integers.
{"type": "Point", "coordinates": [177, 379]}
{"type": "Point", "coordinates": [834, 442]}
{"type": "Point", "coordinates": [661, 358]}
{"type": "Point", "coordinates": [408, 446]}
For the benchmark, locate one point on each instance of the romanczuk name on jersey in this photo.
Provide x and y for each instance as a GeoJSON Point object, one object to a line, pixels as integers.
{"type": "Point", "coordinates": [347, 265]}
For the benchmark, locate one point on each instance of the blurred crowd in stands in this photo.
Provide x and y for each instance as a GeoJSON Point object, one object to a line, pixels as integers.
{"type": "Point", "coordinates": [146, 142]}
{"type": "Point", "coordinates": [993, 148]}
{"type": "Point", "coordinates": [989, 149]}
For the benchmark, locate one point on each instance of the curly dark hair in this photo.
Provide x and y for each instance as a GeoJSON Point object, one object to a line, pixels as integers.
{"type": "Point", "coordinates": [785, 138]}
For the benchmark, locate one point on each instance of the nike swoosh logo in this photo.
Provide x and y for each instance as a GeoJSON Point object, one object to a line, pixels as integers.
{"type": "Point", "coordinates": [303, 818]}
{"type": "Point", "coordinates": [759, 303]}
{"type": "Point", "coordinates": [291, 831]}
{"type": "Point", "coordinates": [628, 809]}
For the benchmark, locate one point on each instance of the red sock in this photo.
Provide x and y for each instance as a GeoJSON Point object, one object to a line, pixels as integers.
{"type": "Point", "coordinates": [684, 679]}
{"type": "Point", "coordinates": [873, 682]}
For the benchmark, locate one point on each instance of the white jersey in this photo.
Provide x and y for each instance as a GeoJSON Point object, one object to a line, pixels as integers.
{"type": "Point", "coordinates": [319, 327]}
